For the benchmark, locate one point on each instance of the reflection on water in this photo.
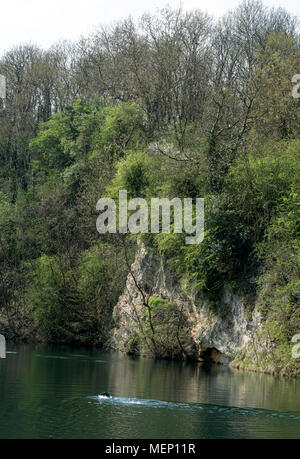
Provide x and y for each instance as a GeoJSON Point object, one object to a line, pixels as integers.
{"type": "Point", "coordinates": [51, 391]}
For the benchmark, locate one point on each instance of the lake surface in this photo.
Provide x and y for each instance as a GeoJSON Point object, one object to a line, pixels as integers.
{"type": "Point", "coordinates": [51, 392]}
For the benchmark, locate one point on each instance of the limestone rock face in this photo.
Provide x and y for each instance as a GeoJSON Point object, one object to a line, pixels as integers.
{"type": "Point", "coordinates": [219, 333]}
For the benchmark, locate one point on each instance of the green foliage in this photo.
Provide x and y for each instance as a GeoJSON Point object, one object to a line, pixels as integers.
{"type": "Point", "coordinates": [85, 130]}
{"type": "Point", "coordinates": [164, 331]}
{"type": "Point", "coordinates": [7, 228]}
{"type": "Point", "coordinates": [222, 256]}
{"type": "Point", "coordinates": [74, 303]}
{"type": "Point", "coordinates": [68, 282]}
{"type": "Point", "coordinates": [122, 129]}
{"type": "Point", "coordinates": [137, 174]}
{"type": "Point", "coordinates": [54, 302]}
{"type": "Point", "coordinates": [102, 272]}
{"type": "Point", "coordinates": [236, 222]}
{"type": "Point", "coordinates": [258, 184]}
{"type": "Point", "coordinates": [52, 143]}
{"type": "Point", "coordinates": [279, 285]}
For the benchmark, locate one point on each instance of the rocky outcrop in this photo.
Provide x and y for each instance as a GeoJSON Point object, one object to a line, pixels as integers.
{"type": "Point", "coordinates": [218, 334]}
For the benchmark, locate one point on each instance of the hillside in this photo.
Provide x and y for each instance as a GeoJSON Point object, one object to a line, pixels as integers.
{"type": "Point", "coordinates": [178, 105]}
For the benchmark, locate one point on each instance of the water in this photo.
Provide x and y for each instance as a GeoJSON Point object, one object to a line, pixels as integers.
{"type": "Point", "coordinates": [52, 392]}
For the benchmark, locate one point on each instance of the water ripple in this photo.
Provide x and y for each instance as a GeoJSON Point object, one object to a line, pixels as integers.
{"type": "Point", "coordinates": [213, 409]}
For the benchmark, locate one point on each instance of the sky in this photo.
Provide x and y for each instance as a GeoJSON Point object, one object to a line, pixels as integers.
{"type": "Point", "coordinates": [44, 22]}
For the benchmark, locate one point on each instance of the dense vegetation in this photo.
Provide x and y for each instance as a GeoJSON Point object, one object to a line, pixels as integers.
{"type": "Point", "coordinates": [176, 105]}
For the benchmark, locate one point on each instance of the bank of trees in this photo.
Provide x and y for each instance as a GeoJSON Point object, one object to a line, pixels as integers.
{"type": "Point", "coordinates": [199, 107]}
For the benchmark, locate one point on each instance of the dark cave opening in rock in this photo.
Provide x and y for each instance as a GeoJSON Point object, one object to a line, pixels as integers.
{"type": "Point", "coordinates": [211, 355]}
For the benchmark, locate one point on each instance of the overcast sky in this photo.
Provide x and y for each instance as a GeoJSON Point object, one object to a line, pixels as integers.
{"type": "Point", "coordinates": [45, 22]}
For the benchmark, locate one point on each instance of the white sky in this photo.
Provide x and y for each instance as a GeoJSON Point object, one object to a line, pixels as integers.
{"type": "Point", "coordinates": [44, 22]}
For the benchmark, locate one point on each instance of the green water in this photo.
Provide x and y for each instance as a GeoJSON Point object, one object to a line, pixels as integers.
{"type": "Point", "coordinates": [51, 392]}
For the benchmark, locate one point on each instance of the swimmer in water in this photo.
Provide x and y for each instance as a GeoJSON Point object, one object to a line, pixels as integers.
{"type": "Point", "coordinates": [105, 394]}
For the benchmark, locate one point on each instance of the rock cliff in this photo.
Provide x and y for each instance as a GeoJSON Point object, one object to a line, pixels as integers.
{"type": "Point", "coordinates": [218, 334]}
